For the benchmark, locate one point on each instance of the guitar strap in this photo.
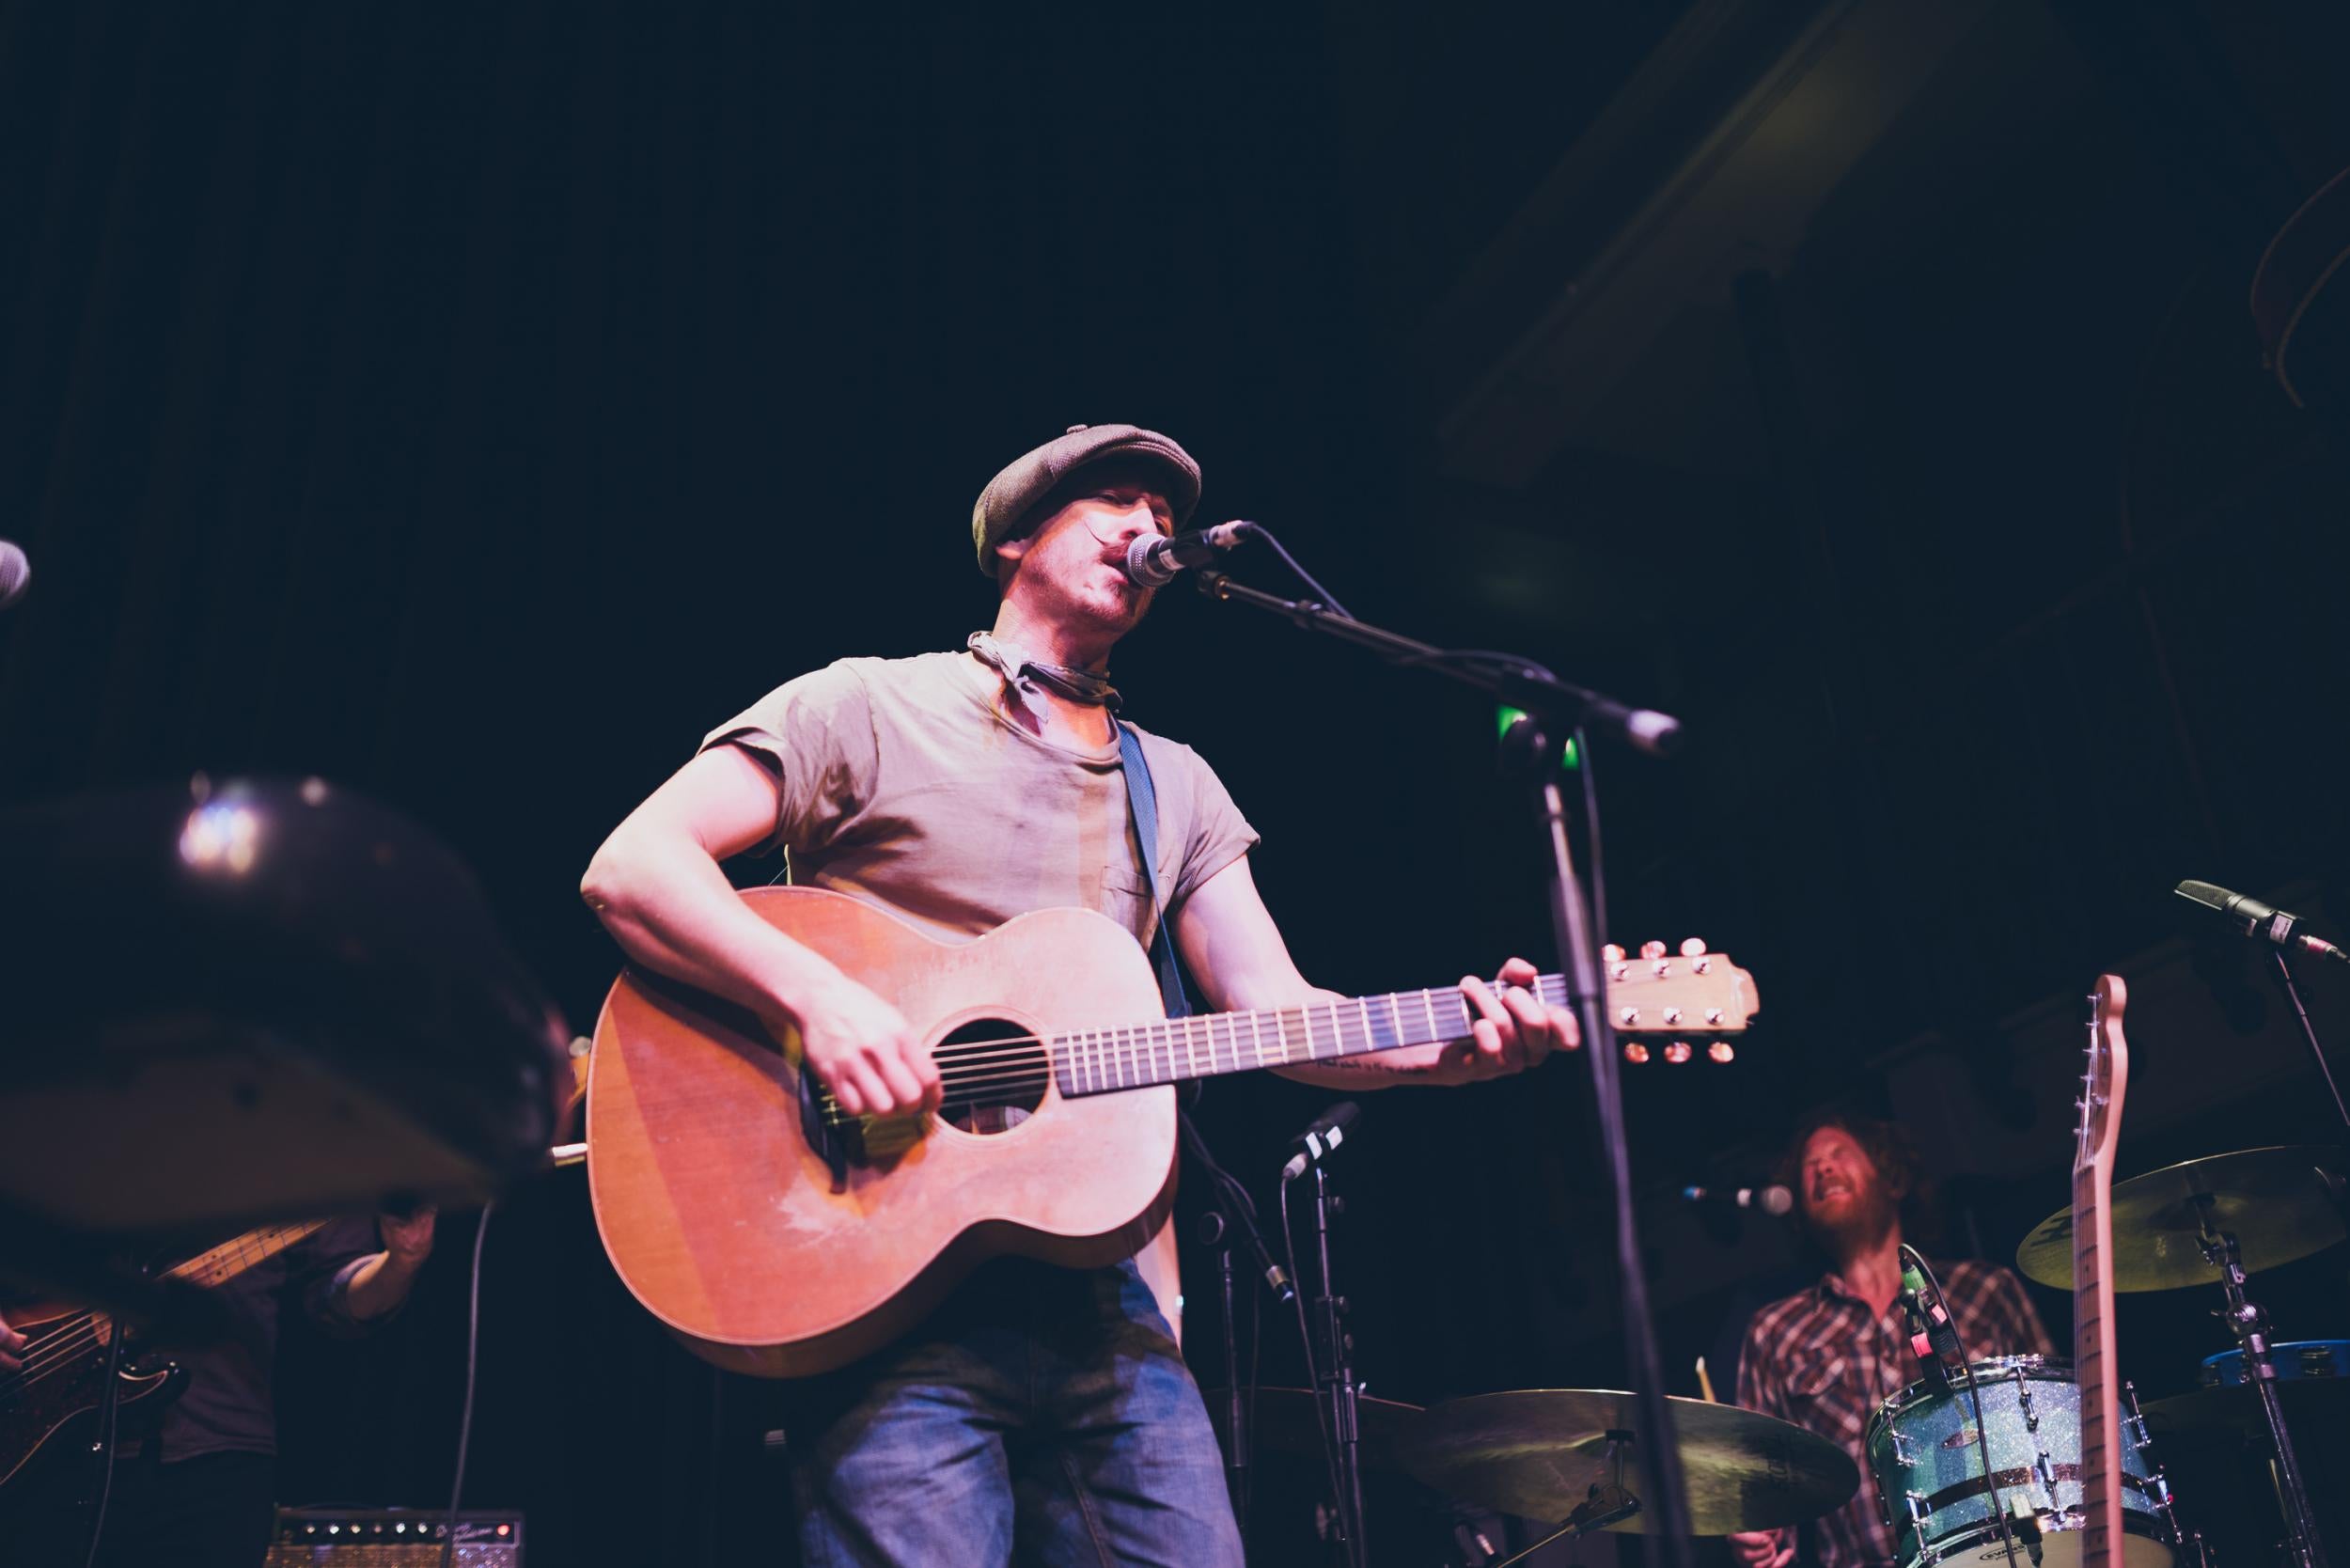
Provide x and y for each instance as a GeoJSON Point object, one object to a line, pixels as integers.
{"type": "Point", "coordinates": [1145, 799]}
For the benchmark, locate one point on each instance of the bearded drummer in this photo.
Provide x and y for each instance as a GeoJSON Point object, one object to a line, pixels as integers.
{"type": "Point", "coordinates": [1827, 1356]}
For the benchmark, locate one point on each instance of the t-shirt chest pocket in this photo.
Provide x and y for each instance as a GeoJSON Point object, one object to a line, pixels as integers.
{"type": "Point", "coordinates": [1126, 896]}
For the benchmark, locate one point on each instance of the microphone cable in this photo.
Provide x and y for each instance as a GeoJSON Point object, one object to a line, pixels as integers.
{"type": "Point", "coordinates": [1974, 1397]}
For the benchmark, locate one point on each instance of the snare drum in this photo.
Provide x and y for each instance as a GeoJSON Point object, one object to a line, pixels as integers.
{"type": "Point", "coordinates": [1929, 1470]}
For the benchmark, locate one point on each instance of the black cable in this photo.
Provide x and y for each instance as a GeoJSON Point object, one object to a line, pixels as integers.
{"type": "Point", "coordinates": [464, 1419]}
{"type": "Point", "coordinates": [1974, 1397]}
{"type": "Point", "coordinates": [1330, 600]}
{"type": "Point", "coordinates": [109, 1413]}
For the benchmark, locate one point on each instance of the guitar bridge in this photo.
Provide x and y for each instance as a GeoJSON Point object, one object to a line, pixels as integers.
{"type": "Point", "coordinates": [830, 1139]}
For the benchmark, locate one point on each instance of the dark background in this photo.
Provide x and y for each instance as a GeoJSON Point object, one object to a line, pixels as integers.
{"type": "Point", "coordinates": [472, 406]}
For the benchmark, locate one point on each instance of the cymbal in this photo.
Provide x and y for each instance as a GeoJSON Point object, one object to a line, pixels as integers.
{"type": "Point", "coordinates": [1284, 1422]}
{"type": "Point", "coordinates": [2278, 1202]}
{"type": "Point", "coordinates": [1538, 1452]}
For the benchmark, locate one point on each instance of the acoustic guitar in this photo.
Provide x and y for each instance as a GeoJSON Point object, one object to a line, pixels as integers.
{"type": "Point", "coordinates": [64, 1372]}
{"type": "Point", "coordinates": [2103, 1083]}
{"type": "Point", "coordinates": [777, 1236]}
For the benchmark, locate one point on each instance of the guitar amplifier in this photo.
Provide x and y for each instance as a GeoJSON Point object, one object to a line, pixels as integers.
{"type": "Point", "coordinates": [392, 1538]}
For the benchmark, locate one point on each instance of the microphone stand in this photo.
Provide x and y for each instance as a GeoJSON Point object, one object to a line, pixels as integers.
{"type": "Point", "coordinates": [1531, 746]}
{"type": "Point", "coordinates": [1232, 1221]}
{"type": "Point", "coordinates": [1215, 1232]}
{"type": "Point", "coordinates": [1336, 1372]}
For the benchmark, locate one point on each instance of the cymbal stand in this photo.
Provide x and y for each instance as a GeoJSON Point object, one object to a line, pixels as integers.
{"type": "Point", "coordinates": [2249, 1321]}
{"type": "Point", "coordinates": [1607, 1503]}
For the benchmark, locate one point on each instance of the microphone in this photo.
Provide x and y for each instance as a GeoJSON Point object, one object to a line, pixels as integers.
{"type": "Point", "coordinates": [1320, 1140]}
{"type": "Point", "coordinates": [1153, 561]}
{"type": "Point", "coordinates": [2258, 920]}
{"type": "Point", "coordinates": [1932, 1320]}
{"type": "Point", "coordinates": [16, 574]}
{"type": "Point", "coordinates": [1771, 1200]}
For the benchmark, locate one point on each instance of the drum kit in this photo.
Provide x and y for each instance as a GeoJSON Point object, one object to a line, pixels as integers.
{"type": "Point", "coordinates": [1571, 1456]}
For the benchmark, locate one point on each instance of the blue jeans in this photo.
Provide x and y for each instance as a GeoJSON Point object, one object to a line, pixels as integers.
{"type": "Point", "coordinates": [1042, 1415]}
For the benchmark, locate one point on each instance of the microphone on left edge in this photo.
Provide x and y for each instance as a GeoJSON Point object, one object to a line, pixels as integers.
{"type": "Point", "coordinates": [1155, 560]}
{"type": "Point", "coordinates": [16, 574]}
{"type": "Point", "coordinates": [1770, 1200]}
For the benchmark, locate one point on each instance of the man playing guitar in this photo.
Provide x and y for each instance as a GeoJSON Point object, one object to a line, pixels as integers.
{"type": "Point", "coordinates": [1826, 1355]}
{"type": "Point", "coordinates": [959, 789]}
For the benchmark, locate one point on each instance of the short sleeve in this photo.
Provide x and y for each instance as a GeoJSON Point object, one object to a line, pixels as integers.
{"type": "Point", "coordinates": [318, 1271]}
{"type": "Point", "coordinates": [814, 735]}
{"type": "Point", "coordinates": [1219, 834]}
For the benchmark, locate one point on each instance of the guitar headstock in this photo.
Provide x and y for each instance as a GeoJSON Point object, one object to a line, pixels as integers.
{"type": "Point", "coordinates": [2104, 1076]}
{"type": "Point", "coordinates": [1676, 994]}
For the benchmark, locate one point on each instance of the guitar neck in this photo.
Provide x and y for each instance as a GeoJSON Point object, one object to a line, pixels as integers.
{"type": "Point", "coordinates": [2102, 1087]}
{"type": "Point", "coordinates": [233, 1257]}
{"type": "Point", "coordinates": [2093, 1358]}
{"type": "Point", "coordinates": [1176, 1050]}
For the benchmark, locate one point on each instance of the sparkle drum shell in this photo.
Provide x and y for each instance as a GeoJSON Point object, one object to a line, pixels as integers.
{"type": "Point", "coordinates": [1929, 1470]}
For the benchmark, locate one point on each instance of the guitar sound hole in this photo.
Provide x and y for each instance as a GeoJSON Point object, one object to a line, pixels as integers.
{"type": "Point", "coordinates": [993, 1074]}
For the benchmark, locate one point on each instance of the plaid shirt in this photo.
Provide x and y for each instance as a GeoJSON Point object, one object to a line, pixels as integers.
{"type": "Point", "coordinates": [1822, 1359]}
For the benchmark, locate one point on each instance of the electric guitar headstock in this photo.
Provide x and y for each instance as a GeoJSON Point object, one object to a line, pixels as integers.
{"type": "Point", "coordinates": [2104, 1077]}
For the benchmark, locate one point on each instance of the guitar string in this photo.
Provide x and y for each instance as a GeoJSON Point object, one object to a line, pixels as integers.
{"type": "Point", "coordinates": [965, 1083]}
{"type": "Point", "coordinates": [1233, 1051]}
{"type": "Point", "coordinates": [87, 1329]}
{"type": "Point", "coordinates": [1345, 1020]}
{"type": "Point", "coordinates": [1550, 988]}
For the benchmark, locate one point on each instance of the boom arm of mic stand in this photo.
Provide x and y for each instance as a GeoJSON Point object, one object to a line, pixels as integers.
{"type": "Point", "coordinates": [1560, 705]}
{"type": "Point", "coordinates": [1523, 684]}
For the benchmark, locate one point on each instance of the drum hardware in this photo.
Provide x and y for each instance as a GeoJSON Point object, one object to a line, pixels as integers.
{"type": "Point", "coordinates": [1608, 1504]}
{"type": "Point", "coordinates": [2158, 1478]}
{"type": "Point", "coordinates": [1922, 1448]}
{"type": "Point", "coordinates": [2249, 1321]}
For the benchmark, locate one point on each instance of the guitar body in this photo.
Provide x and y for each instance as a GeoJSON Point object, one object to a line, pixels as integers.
{"type": "Point", "coordinates": [65, 1376]}
{"type": "Point", "coordinates": [763, 1256]}
{"type": "Point", "coordinates": [2103, 1084]}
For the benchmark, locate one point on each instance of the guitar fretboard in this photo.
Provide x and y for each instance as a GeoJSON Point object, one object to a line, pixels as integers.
{"type": "Point", "coordinates": [237, 1254]}
{"type": "Point", "coordinates": [1173, 1050]}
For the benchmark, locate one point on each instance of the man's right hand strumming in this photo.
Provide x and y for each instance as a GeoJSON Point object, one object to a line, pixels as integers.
{"type": "Point", "coordinates": [10, 1342]}
{"type": "Point", "coordinates": [863, 1050]}
{"type": "Point", "coordinates": [1763, 1548]}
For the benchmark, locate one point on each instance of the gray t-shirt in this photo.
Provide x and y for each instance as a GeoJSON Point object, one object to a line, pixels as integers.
{"type": "Point", "coordinates": [898, 782]}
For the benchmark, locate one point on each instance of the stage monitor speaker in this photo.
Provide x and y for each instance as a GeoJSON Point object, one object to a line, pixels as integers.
{"type": "Point", "coordinates": [393, 1538]}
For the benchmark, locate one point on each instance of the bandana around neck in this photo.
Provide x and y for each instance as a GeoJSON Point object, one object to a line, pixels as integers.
{"type": "Point", "coordinates": [1025, 674]}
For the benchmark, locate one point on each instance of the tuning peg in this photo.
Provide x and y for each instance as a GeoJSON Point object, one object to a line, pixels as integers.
{"type": "Point", "coordinates": [1611, 954]}
{"type": "Point", "coordinates": [1721, 1050]}
{"type": "Point", "coordinates": [1677, 1051]}
{"type": "Point", "coordinates": [1693, 947]}
{"type": "Point", "coordinates": [1652, 950]}
{"type": "Point", "coordinates": [1635, 1052]}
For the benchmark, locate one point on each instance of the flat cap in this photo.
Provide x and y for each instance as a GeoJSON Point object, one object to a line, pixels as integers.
{"type": "Point", "coordinates": [1033, 475]}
